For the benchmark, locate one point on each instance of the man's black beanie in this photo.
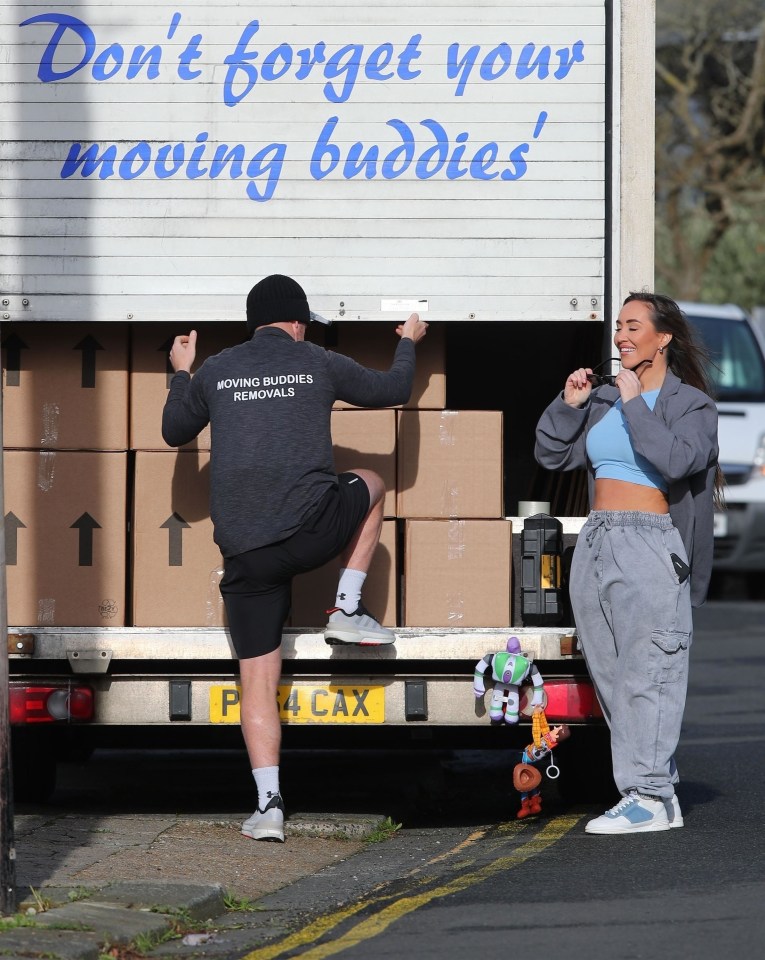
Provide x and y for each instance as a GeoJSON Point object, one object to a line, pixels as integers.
{"type": "Point", "coordinates": [276, 299]}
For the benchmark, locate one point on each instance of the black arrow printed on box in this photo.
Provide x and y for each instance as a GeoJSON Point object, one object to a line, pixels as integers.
{"type": "Point", "coordinates": [12, 527]}
{"type": "Point", "coordinates": [88, 345]}
{"type": "Point", "coordinates": [175, 524]}
{"type": "Point", "coordinates": [86, 525]}
{"type": "Point", "coordinates": [13, 347]}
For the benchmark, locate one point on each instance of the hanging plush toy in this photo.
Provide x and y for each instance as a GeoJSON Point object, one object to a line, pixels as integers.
{"type": "Point", "coordinates": [526, 778]}
{"type": "Point", "coordinates": [509, 668]}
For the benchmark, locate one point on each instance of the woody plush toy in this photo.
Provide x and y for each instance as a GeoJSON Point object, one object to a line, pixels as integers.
{"type": "Point", "coordinates": [526, 777]}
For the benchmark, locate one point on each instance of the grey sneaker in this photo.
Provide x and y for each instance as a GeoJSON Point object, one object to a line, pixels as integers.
{"type": "Point", "coordinates": [267, 824]}
{"type": "Point", "coordinates": [632, 814]}
{"type": "Point", "coordinates": [360, 628]}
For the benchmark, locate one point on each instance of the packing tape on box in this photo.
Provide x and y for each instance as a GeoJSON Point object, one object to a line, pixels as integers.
{"type": "Point", "coordinates": [446, 428]}
{"type": "Point", "coordinates": [46, 465]}
{"type": "Point", "coordinates": [450, 496]}
{"type": "Point", "coordinates": [456, 609]}
{"type": "Point", "coordinates": [449, 492]}
{"type": "Point", "coordinates": [455, 539]}
{"type": "Point", "coordinates": [50, 422]}
{"type": "Point", "coordinates": [46, 611]}
{"type": "Point", "coordinates": [455, 550]}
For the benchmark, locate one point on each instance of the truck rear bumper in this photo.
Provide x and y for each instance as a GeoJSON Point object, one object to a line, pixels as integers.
{"type": "Point", "coordinates": [189, 678]}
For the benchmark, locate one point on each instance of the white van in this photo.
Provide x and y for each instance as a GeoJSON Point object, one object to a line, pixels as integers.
{"type": "Point", "coordinates": [738, 351]}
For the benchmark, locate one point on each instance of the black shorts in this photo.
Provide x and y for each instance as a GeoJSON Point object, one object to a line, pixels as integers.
{"type": "Point", "coordinates": [257, 585]}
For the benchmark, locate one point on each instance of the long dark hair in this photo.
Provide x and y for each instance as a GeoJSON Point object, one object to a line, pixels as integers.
{"type": "Point", "coordinates": [687, 357]}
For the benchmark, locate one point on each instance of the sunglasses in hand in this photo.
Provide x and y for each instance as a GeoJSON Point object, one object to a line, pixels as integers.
{"type": "Point", "coordinates": [599, 379]}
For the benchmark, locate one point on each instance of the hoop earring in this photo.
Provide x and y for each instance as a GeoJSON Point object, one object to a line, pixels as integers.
{"type": "Point", "coordinates": [661, 349]}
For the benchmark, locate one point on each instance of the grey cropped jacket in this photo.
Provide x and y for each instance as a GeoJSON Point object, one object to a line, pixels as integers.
{"type": "Point", "coordinates": [678, 437]}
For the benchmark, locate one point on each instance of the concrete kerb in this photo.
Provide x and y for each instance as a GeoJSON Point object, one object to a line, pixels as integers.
{"type": "Point", "coordinates": [120, 912]}
{"type": "Point", "coordinates": [117, 914]}
{"type": "Point", "coordinates": [354, 826]}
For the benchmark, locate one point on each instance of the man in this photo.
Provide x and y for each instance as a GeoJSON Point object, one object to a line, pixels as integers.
{"type": "Point", "coordinates": [277, 505]}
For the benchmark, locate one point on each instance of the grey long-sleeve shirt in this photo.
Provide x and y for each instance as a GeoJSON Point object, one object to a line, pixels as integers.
{"type": "Point", "coordinates": [268, 402]}
{"type": "Point", "coordinates": [678, 437]}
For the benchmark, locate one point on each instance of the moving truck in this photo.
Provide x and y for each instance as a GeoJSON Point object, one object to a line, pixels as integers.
{"type": "Point", "coordinates": [489, 166]}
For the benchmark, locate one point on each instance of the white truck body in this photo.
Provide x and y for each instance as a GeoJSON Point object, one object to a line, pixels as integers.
{"type": "Point", "coordinates": [483, 163]}
{"type": "Point", "coordinates": [738, 352]}
{"type": "Point", "coordinates": [389, 155]}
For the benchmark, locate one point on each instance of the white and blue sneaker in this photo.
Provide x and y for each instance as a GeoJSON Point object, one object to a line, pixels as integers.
{"type": "Point", "coordinates": [674, 813]}
{"type": "Point", "coordinates": [634, 813]}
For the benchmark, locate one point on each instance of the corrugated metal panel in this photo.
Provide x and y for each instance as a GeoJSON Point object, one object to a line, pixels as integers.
{"type": "Point", "coordinates": [379, 153]}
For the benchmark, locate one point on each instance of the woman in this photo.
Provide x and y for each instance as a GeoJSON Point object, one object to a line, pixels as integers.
{"type": "Point", "coordinates": [644, 555]}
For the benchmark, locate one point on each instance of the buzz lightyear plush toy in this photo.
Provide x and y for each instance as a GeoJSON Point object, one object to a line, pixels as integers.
{"type": "Point", "coordinates": [509, 668]}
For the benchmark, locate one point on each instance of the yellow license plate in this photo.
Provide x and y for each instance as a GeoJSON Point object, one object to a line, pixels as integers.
{"type": "Point", "coordinates": [311, 703]}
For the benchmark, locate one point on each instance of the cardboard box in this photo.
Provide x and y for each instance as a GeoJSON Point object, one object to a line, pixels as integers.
{"type": "Point", "coordinates": [151, 373]}
{"type": "Point", "coordinates": [314, 593]}
{"type": "Point", "coordinates": [373, 345]}
{"type": "Point", "coordinates": [65, 386]}
{"type": "Point", "coordinates": [367, 438]}
{"type": "Point", "coordinates": [176, 565]}
{"type": "Point", "coordinates": [450, 464]}
{"type": "Point", "coordinates": [457, 573]}
{"type": "Point", "coordinates": [65, 538]}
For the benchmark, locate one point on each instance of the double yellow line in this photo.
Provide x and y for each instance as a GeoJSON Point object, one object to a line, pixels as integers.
{"type": "Point", "coordinates": [389, 909]}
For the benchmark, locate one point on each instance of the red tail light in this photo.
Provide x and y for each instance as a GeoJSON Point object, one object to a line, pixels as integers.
{"type": "Point", "coordinates": [50, 704]}
{"type": "Point", "coordinates": [571, 700]}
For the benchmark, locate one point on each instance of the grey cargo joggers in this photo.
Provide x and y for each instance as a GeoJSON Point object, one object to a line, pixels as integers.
{"type": "Point", "coordinates": [634, 622]}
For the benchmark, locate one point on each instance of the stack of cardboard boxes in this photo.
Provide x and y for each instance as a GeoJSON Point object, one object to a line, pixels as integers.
{"type": "Point", "coordinates": [107, 526]}
{"type": "Point", "coordinates": [176, 566]}
{"type": "Point", "coordinates": [65, 432]}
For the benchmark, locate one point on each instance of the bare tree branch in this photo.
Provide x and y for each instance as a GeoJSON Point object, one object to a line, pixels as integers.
{"type": "Point", "coordinates": [710, 124]}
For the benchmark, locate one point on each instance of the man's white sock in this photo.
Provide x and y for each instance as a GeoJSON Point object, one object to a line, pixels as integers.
{"type": "Point", "coordinates": [349, 589]}
{"type": "Point", "coordinates": [267, 782]}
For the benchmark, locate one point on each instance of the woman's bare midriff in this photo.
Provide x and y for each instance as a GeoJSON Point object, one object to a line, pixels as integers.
{"type": "Point", "coordinates": [622, 495]}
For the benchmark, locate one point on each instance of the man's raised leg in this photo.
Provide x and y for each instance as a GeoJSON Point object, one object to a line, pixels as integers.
{"type": "Point", "coordinates": [349, 621]}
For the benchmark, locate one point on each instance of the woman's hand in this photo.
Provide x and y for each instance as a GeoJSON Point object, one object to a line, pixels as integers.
{"type": "Point", "coordinates": [578, 388]}
{"type": "Point", "coordinates": [628, 383]}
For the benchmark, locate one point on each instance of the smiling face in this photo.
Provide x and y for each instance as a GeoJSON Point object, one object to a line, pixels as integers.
{"type": "Point", "coordinates": [636, 337]}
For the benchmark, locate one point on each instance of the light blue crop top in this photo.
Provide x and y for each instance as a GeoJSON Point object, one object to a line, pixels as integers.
{"type": "Point", "coordinates": [610, 451]}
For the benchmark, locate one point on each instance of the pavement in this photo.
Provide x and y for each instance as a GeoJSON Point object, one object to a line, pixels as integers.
{"type": "Point", "coordinates": [125, 885]}
{"type": "Point", "coordinates": [140, 852]}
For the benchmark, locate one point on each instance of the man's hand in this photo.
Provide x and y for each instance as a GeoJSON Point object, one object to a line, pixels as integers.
{"type": "Point", "coordinates": [183, 352]}
{"type": "Point", "coordinates": [414, 328]}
